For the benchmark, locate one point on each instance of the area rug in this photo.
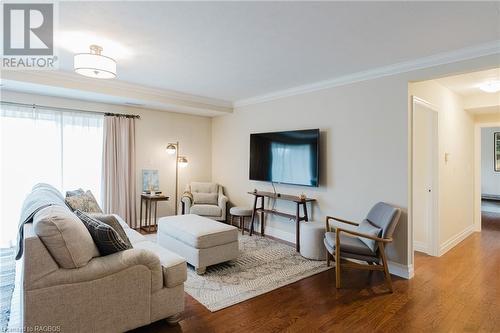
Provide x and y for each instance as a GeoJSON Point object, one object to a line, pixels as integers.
{"type": "Point", "coordinates": [263, 265]}
{"type": "Point", "coordinates": [7, 279]}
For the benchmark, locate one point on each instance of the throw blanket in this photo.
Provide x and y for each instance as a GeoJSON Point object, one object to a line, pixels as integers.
{"type": "Point", "coordinates": [41, 196]}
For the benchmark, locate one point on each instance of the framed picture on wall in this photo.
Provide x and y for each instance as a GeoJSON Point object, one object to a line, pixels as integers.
{"type": "Point", "coordinates": [496, 145]}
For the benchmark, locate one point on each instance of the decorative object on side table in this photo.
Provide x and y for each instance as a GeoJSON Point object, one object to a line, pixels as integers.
{"type": "Point", "coordinates": [180, 161]}
{"type": "Point", "coordinates": [149, 200]}
{"type": "Point", "coordinates": [150, 181]}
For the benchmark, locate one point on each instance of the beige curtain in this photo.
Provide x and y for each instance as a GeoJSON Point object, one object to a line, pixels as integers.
{"type": "Point", "coordinates": [118, 190]}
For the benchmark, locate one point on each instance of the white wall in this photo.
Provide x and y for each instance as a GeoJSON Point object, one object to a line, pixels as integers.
{"type": "Point", "coordinates": [456, 177]}
{"type": "Point", "coordinates": [153, 131]}
{"type": "Point", "coordinates": [363, 151]}
{"type": "Point", "coordinates": [490, 180]}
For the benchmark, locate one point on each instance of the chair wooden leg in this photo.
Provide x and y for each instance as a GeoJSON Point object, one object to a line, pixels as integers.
{"type": "Point", "coordinates": [386, 268]}
{"type": "Point", "coordinates": [327, 258]}
{"type": "Point", "coordinates": [337, 261]}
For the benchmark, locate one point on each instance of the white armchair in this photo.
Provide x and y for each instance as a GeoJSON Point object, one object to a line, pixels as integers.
{"type": "Point", "coordinates": [205, 199]}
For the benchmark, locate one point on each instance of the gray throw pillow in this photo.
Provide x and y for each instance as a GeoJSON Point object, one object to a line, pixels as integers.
{"type": "Point", "coordinates": [74, 192]}
{"type": "Point", "coordinates": [105, 237]}
{"type": "Point", "coordinates": [367, 228]}
{"type": "Point", "coordinates": [84, 202]}
{"type": "Point", "coordinates": [110, 220]}
{"type": "Point", "coordinates": [205, 198]}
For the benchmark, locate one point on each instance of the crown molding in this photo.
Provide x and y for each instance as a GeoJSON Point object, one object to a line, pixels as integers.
{"type": "Point", "coordinates": [125, 90]}
{"type": "Point", "coordinates": [397, 68]}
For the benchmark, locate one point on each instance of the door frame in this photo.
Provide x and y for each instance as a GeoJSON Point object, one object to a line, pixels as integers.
{"type": "Point", "coordinates": [433, 224]}
{"type": "Point", "coordinates": [478, 126]}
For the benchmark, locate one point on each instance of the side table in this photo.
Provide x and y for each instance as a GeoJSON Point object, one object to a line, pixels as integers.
{"type": "Point", "coordinates": [150, 201]}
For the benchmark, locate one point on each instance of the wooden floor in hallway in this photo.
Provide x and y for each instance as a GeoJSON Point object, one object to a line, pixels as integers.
{"type": "Point", "coordinates": [458, 292]}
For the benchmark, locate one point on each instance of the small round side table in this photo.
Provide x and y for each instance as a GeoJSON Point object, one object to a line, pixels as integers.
{"type": "Point", "coordinates": [241, 213]}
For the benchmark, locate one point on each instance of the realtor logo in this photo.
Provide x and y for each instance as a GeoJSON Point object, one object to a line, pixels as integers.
{"type": "Point", "coordinates": [28, 29]}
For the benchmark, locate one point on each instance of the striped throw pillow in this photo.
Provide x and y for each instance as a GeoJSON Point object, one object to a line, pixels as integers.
{"type": "Point", "coordinates": [107, 240]}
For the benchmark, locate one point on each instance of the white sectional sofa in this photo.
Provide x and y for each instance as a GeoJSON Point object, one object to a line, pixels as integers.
{"type": "Point", "coordinates": [112, 293]}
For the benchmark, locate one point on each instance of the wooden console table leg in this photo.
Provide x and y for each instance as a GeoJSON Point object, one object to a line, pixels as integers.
{"type": "Point", "coordinates": [262, 218]}
{"type": "Point", "coordinates": [297, 231]}
{"type": "Point", "coordinates": [253, 214]}
{"type": "Point", "coordinates": [140, 217]}
{"type": "Point", "coordinates": [305, 212]}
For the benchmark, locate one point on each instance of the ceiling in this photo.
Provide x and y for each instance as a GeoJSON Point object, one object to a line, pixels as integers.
{"type": "Point", "coordinates": [232, 51]}
{"type": "Point", "coordinates": [474, 99]}
{"type": "Point", "coordinates": [468, 84]}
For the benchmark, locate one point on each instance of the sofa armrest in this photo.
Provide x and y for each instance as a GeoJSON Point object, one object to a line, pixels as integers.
{"type": "Point", "coordinates": [222, 202]}
{"type": "Point", "coordinates": [105, 266]}
{"type": "Point", "coordinates": [187, 202]}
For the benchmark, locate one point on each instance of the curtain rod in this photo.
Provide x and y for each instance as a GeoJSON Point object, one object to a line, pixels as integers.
{"type": "Point", "coordinates": [109, 114]}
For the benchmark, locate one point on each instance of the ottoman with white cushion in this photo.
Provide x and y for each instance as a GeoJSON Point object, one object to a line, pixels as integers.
{"type": "Point", "coordinates": [311, 240]}
{"type": "Point", "coordinates": [200, 240]}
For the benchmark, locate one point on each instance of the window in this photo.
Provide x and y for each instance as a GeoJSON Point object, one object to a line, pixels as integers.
{"type": "Point", "coordinates": [37, 145]}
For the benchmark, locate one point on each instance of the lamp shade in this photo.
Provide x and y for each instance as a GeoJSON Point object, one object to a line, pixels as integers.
{"type": "Point", "coordinates": [183, 162]}
{"type": "Point", "coordinates": [94, 64]}
{"type": "Point", "coordinates": [171, 149]}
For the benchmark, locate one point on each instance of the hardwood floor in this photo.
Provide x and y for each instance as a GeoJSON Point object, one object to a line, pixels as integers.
{"type": "Point", "coordinates": [458, 292]}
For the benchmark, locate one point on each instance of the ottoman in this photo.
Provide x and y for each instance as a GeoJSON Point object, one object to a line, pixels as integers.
{"type": "Point", "coordinates": [200, 240]}
{"type": "Point", "coordinates": [241, 213]}
{"type": "Point", "coordinates": [311, 240]}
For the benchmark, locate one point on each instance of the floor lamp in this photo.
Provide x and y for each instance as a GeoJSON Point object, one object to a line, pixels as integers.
{"type": "Point", "coordinates": [180, 161]}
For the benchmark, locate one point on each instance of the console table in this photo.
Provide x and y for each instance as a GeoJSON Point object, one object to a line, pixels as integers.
{"type": "Point", "coordinates": [259, 209]}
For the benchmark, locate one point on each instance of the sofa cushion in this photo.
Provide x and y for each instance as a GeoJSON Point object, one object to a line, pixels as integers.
{"type": "Point", "coordinates": [112, 221]}
{"type": "Point", "coordinates": [105, 237]}
{"type": "Point", "coordinates": [206, 210]}
{"type": "Point", "coordinates": [365, 227]}
{"type": "Point", "coordinates": [174, 266]}
{"type": "Point", "coordinates": [350, 244]}
{"type": "Point", "coordinates": [84, 202]}
{"type": "Point", "coordinates": [205, 198]}
{"type": "Point", "coordinates": [198, 187]}
{"type": "Point", "coordinates": [65, 236]}
{"type": "Point", "coordinates": [197, 231]}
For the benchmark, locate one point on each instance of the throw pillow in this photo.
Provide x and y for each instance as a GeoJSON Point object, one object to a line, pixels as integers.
{"type": "Point", "coordinates": [105, 237]}
{"type": "Point", "coordinates": [367, 228]}
{"type": "Point", "coordinates": [112, 221]}
{"type": "Point", "coordinates": [74, 192]}
{"type": "Point", "coordinates": [205, 198]}
{"type": "Point", "coordinates": [84, 202]}
{"type": "Point", "coordinates": [65, 236]}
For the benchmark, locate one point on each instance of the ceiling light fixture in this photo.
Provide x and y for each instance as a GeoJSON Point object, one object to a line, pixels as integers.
{"type": "Point", "coordinates": [94, 64]}
{"type": "Point", "coordinates": [490, 87]}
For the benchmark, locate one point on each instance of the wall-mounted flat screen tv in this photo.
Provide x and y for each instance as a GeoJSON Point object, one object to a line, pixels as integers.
{"type": "Point", "coordinates": [290, 157]}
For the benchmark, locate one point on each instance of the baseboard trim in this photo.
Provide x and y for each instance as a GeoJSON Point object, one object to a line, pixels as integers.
{"type": "Point", "coordinates": [404, 271]}
{"type": "Point", "coordinates": [453, 241]}
{"type": "Point", "coordinates": [420, 247]}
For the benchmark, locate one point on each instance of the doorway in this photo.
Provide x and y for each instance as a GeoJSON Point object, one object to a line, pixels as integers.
{"type": "Point", "coordinates": [425, 176]}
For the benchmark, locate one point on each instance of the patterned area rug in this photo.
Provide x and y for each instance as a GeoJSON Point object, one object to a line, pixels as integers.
{"type": "Point", "coordinates": [7, 279]}
{"type": "Point", "coordinates": [264, 265]}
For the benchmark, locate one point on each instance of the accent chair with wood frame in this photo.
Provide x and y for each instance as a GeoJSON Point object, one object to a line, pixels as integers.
{"type": "Point", "coordinates": [365, 243]}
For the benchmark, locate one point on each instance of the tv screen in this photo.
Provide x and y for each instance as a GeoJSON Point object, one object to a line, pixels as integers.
{"type": "Point", "coordinates": [290, 157]}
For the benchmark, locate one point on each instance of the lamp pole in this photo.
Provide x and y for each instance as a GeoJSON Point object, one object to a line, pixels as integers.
{"type": "Point", "coordinates": [176, 176]}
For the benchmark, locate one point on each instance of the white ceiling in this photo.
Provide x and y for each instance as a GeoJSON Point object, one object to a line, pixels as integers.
{"type": "Point", "coordinates": [468, 84]}
{"type": "Point", "coordinates": [238, 50]}
{"type": "Point", "coordinates": [205, 57]}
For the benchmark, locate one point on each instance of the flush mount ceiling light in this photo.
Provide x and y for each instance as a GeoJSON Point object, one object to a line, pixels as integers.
{"type": "Point", "coordinates": [94, 64]}
{"type": "Point", "coordinates": [491, 87]}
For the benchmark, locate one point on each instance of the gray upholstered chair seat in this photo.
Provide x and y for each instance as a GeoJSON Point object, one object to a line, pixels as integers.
{"type": "Point", "coordinates": [206, 210]}
{"type": "Point", "coordinates": [348, 244]}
